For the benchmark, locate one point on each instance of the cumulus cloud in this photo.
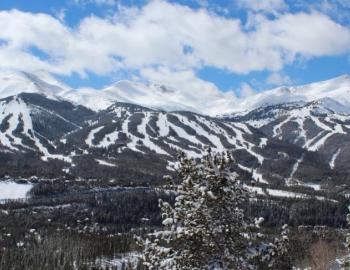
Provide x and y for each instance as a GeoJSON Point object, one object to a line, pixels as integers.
{"type": "Point", "coordinates": [246, 91]}
{"type": "Point", "coordinates": [163, 34]}
{"type": "Point", "coordinates": [336, 9]}
{"type": "Point", "coordinates": [307, 34]}
{"type": "Point", "coordinates": [277, 79]}
{"type": "Point", "coordinates": [61, 14]}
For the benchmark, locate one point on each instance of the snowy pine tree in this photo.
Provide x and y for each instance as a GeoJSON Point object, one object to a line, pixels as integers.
{"type": "Point", "coordinates": [206, 228]}
{"type": "Point", "coordinates": [345, 262]}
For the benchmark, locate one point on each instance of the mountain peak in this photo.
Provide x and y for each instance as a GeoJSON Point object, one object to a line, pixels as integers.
{"type": "Point", "coordinates": [13, 82]}
{"type": "Point", "coordinates": [336, 90]}
{"type": "Point", "coordinates": [164, 97]}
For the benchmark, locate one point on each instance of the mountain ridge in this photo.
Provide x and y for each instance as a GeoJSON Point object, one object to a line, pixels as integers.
{"type": "Point", "coordinates": [335, 91]}
{"type": "Point", "coordinates": [127, 141]}
{"type": "Point", "coordinates": [280, 144]}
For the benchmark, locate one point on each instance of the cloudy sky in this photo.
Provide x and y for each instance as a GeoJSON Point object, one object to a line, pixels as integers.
{"type": "Point", "coordinates": [238, 46]}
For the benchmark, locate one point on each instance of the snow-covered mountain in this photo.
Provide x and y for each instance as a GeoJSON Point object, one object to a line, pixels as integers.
{"type": "Point", "coordinates": [150, 95]}
{"type": "Point", "coordinates": [284, 139]}
{"type": "Point", "coordinates": [313, 126]}
{"type": "Point", "coordinates": [314, 116]}
{"type": "Point", "coordinates": [31, 122]}
{"type": "Point", "coordinates": [153, 96]}
{"type": "Point", "coordinates": [334, 95]}
{"type": "Point", "coordinates": [16, 82]}
{"type": "Point", "coordinates": [132, 141]}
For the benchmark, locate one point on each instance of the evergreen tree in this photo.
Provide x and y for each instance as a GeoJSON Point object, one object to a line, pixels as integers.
{"type": "Point", "coordinates": [345, 262]}
{"type": "Point", "coordinates": [206, 228]}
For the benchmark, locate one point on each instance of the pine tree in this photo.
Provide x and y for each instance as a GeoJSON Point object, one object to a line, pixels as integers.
{"type": "Point", "coordinates": [345, 261]}
{"type": "Point", "coordinates": [206, 228]}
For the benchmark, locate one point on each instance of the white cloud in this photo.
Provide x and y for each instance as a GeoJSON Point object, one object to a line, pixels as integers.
{"type": "Point", "coordinates": [61, 14]}
{"type": "Point", "coordinates": [172, 36]}
{"type": "Point", "coordinates": [246, 91]}
{"type": "Point", "coordinates": [310, 35]}
{"type": "Point", "coordinates": [277, 79]}
{"type": "Point", "coordinates": [337, 9]}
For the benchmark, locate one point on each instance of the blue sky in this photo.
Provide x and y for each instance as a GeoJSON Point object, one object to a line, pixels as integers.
{"type": "Point", "coordinates": [242, 46]}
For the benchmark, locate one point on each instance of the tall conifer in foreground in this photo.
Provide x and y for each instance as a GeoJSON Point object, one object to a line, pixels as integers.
{"type": "Point", "coordinates": [345, 261]}
{"type": "Point", "coordinates": [206, 228]}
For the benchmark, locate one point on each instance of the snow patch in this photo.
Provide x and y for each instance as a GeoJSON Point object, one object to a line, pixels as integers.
{"type": "Point", "coordinates": [105, 163]}
{"type": "Point", "coordinates": [13, 191]}
{"type": "Point", "coordinates": [334, 158]}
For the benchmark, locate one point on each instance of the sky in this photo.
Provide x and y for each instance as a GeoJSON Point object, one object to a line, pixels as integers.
{"type": "Point", "coordinates": [239, 47]}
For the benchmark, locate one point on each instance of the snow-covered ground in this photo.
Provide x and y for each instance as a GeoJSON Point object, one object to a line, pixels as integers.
{"type": "Point", "coordinates": [285, 193]}
{"type": "Point", "coordinates": [12, 190]}
{"type": "Point", "coordinates": [124, 261]}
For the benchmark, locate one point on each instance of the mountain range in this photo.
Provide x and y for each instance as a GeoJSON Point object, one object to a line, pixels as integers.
{"type": "Point", "coordinates": [130, 132]}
